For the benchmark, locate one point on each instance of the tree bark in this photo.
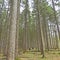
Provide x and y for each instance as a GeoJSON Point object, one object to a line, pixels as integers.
{"type": "Point", "coordinates": [11, 55]}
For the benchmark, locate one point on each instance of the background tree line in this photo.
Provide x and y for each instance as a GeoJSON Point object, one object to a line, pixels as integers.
{"type": "Point", "coordinates": [29, 25]}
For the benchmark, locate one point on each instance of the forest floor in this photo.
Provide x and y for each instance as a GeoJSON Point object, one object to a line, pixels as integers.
{"type": "Point", "coordinates": [51, 55]}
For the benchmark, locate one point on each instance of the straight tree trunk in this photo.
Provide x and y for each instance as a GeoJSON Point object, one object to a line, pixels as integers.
{"type": "Point", "coordinates": [17, 25]}
{"type": "Point", "coordinates": [39, 28]}
{"type": "Point", "coordinates": [25, 26]}
{"type": "Point", "coordinates": [11, 55]}
{"type": "Point", "coordinates": [55, 17]}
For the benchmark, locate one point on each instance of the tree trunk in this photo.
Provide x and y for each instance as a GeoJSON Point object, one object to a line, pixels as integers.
{"type": "Point", "coordinates": [17, 25]}
{"type": "Point", "coordinates": [55, 17]}
{"type": "Point", "coordinates": [11, 55]}
{"type": "Point", "coordinates": [39, 28]}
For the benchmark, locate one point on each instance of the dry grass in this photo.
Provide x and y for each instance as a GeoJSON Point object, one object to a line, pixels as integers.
{"type": "Point", "coordinates": [51, 55]}
{"type": "Point", "coordinates": [54, 55]}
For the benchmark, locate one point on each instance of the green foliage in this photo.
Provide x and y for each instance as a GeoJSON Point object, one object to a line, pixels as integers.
{"type": "Point", "coordinates": [17, 58]}
{"type": "Point", "coordinates": [1, 1]}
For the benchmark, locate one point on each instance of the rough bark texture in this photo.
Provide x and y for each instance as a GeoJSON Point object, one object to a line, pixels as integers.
{"type": "Point", "coordinates": [13, 31]}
